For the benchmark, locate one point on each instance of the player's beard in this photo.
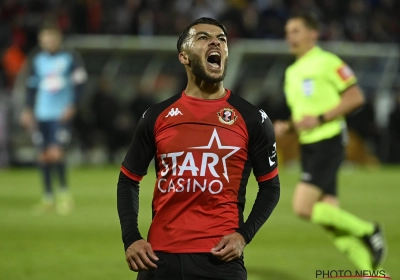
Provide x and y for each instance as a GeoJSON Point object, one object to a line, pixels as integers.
{"type": "Point", "coordinates": [200, 72]}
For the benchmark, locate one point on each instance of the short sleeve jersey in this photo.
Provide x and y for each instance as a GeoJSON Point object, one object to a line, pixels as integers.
{"type": "Point", "coordinates": [204, 151]}
{"type": "Point", "coordinates": [313, 85]}
{"type": "Point", "coordinates": [54, 75]}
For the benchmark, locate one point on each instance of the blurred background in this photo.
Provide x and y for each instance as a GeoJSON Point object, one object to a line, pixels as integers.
{"type": "Point", "coordinates": [128, 47]}
{"type": "Point", "coordinates": [129, 51]}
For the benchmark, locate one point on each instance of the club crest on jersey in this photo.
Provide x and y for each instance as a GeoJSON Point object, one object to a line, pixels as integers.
{"type": "Point", "coordinates": [227, 116]}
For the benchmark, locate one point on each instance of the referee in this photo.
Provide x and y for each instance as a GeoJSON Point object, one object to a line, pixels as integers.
{"type": "Point", "coordinates": [320, 89]}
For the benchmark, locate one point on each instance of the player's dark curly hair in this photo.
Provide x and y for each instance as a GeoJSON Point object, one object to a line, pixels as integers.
{"type": "Point", "coordinates": [203, 20]}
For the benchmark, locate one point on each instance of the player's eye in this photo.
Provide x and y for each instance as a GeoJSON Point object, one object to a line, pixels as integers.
{"type": "Point", "coordinates": [223, 39]}
{"type": "Point", "coordinates": [202, 37]}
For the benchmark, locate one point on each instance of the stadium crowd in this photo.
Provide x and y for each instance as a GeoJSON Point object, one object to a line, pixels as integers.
{"type": "Point", "coordinates": [347, 20]}
{"type": "Point", "coordinates": [354, 20]}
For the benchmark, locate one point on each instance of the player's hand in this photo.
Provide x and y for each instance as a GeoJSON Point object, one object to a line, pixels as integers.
{"type": "Point", "coordinates": [27, 120]}
{"type": "Point", "coordinates": [281, 127]}
{"type": "Point", "coordinates": [307, 123]}
{"type": "Point", "coordinates": [140, 256]}
{"type": "Point", "coordinates": [68, 114]}
{"type": "Point", "coordinates": [230, 247]}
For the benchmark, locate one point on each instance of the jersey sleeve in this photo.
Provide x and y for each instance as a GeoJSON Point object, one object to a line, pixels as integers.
{"type": "Point", "coordinates": [339, 73]}
{"type": "Point", "coordinates": [262, 148]}
{"type": "Point", "coordinates": [78, 76]}
{"type": "Point", "coordinates": [32, 79]}
{"type": "Point", "coordinates": [142, 148]}
{"type": "Point", "coordinates": [262, 153]}
{"type": "Point", "coordinates": [78, 71]}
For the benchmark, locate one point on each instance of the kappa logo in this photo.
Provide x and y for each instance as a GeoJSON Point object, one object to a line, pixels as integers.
{"type": "Point", "coordinates": [264, 115]}
{"type": "Point", "coordinates": [227, 116]}
{"type": "Point", "coordinates": [174, 112]}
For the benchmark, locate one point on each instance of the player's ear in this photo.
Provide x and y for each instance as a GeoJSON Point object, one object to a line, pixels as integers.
{"type": "Point", "coordinates": [183, 58]}
{"type": "Point", "coordinates": [315, 35]}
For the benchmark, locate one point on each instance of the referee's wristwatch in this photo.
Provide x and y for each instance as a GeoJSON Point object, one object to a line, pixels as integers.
{"type": "Point", "coordinates": [321, 119]}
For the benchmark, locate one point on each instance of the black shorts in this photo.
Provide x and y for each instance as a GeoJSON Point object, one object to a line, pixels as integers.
{"type": "Point", "coordinates": [51, 133]}
{"type": "Point", "coordinates": [195, 266]}
{"type": "Point", "coordinates": [320, 163]}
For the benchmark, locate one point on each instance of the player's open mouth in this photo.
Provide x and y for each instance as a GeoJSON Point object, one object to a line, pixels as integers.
{"type": "Point", "coordinates": [214, 59]}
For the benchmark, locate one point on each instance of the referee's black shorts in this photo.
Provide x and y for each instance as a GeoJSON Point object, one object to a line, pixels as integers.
{"type": "Point", "coordinates": [195, 266]}
{"type": "Point", "coordinates": [320, 162]}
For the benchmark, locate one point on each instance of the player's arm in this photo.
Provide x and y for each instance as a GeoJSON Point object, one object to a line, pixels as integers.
{"type": "Point", "coordinates": [78, 78]}
{"type": "Point", "coordinates": [351, 99]}
{"type": "Point", "coordinates": [262, 152]}
{"type": "Point", "coordinates": [32, 82]}
{"type": "Point", "coordinates": [262, 149]}
{"type": "Point", "coordinates": [139, 254]}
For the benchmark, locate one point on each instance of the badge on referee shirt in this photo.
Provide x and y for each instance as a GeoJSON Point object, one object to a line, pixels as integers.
{"type": "Point", "coordinates": [308, 87]}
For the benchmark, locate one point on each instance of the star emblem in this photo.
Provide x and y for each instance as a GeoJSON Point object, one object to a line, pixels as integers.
{"type": "Point", "coordinates": [215, 137]}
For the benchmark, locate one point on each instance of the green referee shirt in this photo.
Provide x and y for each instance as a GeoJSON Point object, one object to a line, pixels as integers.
{"type": "Point", "coordinates": [313, 85]}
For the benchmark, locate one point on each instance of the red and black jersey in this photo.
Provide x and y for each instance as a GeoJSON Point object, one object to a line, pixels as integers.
{"type": "Point", "coordinates": [204, 151]}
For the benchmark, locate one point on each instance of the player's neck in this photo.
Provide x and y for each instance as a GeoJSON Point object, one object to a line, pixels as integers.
{"type": "Point", "coordinates": [205, 90]}
{"type": "Point", "coordinates": [305, 51]}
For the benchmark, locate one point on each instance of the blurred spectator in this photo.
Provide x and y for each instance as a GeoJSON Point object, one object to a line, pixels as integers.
{"type": "Point", "coordinates": [355, 20]}
{"type": "Point", "coordinates": [124, 18]}
{"type": "Point", "coordinates": [79, 11]}
{"type": "Point", "coordinates": [94, 16]}
{"type": "Point", "coordinates": [63, 18]}
{"type": "Point", "coordinates": [333, 31]}
{"type": "Point", "coordinates": [13, 59]}
{"type": "Point", "coordinates": [356, 25]}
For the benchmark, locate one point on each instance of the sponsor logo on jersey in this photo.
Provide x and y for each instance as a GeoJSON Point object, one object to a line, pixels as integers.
{"type": "Point", "coordinates": [264, 116]}
{"type": "Point", "coordinates": [173, 112]}
{"type": "Point", "coordinates": [227, 116]}
{"type": "Point", "coordinates": [308, 87]}
{"type": "Point", "coordinates": [183, 171]}
{"type": "Point", "coordinates": [345, 72]}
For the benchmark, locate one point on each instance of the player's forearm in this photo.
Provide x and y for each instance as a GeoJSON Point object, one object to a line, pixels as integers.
{"type": "Point", "coordinates": [267, 198]}
{"type": "Point", "coordinates": [352, 99]}
{"type": "Point", "coordinates": [30, 97]}
{"type": "Point", "coordinates": [128, 209]}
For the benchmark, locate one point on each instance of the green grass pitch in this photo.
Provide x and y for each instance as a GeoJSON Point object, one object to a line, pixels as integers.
{"type": "Point", "coordinates": [86, 245]}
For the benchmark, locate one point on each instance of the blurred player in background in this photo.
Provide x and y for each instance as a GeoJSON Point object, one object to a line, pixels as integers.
{"type": "Point", "coordinates": [320, 90]}
{"type": "Point", "coordinates": [205, 141]}
{"type": "Point", "coordinates": [55, 82]}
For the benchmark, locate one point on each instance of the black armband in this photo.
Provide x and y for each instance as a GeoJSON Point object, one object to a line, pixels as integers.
{"type": "Point", "coordinates": [321, 119]}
